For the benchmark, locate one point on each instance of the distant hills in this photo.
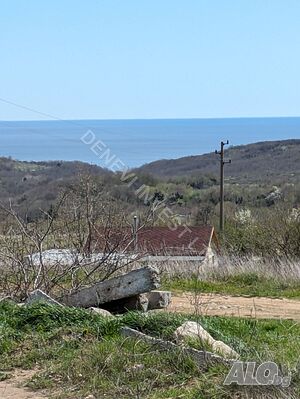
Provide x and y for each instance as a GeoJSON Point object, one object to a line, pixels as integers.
{"type": "Point", "coordinates": [32, 186]}
{"type": "Point", "coordinates": [263, 161]}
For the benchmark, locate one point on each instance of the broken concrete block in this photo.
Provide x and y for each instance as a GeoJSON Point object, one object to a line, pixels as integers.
{"type": "Point", "coordinates": [139, 303]}
{"type": "Point", "coordinates": [202, 358]}
{"type": "Point", "coordinates": [191, 329]}
{"type": "Point", "coordinates": [158, 299]}
{"type": "Point", "coordinates": [40, 296]}
{"type": "Point", "coordinates": [101, 312]}
{"type": "Point", "coordinates": [125, 286]}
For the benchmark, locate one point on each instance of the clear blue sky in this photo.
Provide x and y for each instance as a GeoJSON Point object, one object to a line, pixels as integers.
{"type": "Point", "coordinates": [99, 59]}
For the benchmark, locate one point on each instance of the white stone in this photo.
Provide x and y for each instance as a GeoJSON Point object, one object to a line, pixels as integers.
{"type": "Point", "coordinates": [191, 329]}
{"type": "Point", "coordinates": [223, 349]}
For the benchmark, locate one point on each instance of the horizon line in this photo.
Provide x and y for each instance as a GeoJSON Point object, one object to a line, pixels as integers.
{"type": "Point", "coordinates": [148, 119]}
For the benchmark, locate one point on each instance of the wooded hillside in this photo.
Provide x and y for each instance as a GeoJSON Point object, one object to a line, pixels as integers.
{"type": "Point", "coordinates": [261, 162]}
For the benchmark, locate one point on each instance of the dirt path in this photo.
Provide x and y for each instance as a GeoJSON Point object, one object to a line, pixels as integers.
{"type": "Point", "coordinates": [13, 388]}
{"type": "Point", "coordinates": [225, 305]}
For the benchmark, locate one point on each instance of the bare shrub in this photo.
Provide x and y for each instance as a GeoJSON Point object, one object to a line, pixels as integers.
{"type": "Point", "coordinates": [85, 237]}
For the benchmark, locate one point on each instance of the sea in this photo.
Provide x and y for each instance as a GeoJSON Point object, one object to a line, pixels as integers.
{"type": "Point", "coordinates": [135, 142]}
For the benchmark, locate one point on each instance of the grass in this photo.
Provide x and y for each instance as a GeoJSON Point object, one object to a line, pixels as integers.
{"type": "Point", "coordinates": [250, 284]}
{"type": "Point", "coordinates": [78, 353]}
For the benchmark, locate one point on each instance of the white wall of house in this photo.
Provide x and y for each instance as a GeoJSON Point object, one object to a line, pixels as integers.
{"type": "Point", "coordinates": [185, 266]}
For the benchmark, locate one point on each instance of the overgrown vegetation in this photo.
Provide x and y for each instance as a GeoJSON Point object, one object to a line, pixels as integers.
{"type": "Point", "coordinates": [269, 234]}
{"type": "Point", "coordinates": [78, 353]}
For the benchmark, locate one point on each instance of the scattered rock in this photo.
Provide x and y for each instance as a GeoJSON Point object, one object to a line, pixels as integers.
{"type": "Point", "coordinates": [191, 329]}
{"type": "Point", "coordinates": [101, 312]}
{"type": "Point", "coordinates": [40, 296]}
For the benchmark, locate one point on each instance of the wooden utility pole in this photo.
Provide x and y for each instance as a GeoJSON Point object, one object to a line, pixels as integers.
{"type": "Point", "coordinates": [222, 163]}
{"type": "Point", "coordinates": [135, 233]}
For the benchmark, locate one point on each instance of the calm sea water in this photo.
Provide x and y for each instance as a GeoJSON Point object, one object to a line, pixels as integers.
{"type": "Point", "coordinates": [137, 142]}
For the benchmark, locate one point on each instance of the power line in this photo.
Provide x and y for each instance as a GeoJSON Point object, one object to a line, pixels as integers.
{"type": "Point", "coordinates": [30, 109]}
{"type": "Point", "coordinates": [68, 121]}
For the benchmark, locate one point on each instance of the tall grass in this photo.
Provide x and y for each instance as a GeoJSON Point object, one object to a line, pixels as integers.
{"type": "Point", "coordinates": [281, 269]}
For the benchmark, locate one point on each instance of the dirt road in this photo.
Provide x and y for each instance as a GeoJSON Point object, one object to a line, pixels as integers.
{"type": "Point", "coordinates": [225, 305]}
{"type": "Point", "coordinates": [13, 388]}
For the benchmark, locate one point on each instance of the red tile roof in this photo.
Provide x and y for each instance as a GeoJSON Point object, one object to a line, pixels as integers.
{"type": "Point", "coordinates": [158, 241]}
{"type": "Point", "coordinates": [184, 240]}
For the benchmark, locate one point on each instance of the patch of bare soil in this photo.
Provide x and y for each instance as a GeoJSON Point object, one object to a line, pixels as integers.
{"type": "Point", "coordinates": [225, 305]}
{"type": "Point", "coordinates": [13, 388]}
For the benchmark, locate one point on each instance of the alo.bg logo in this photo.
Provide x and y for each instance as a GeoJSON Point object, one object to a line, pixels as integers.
{"type": "Point", "coordinates": [248, 373]}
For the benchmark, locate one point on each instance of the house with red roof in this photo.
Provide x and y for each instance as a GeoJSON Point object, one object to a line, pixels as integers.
{"type": "Point", "coordinates": [183, 243]}
{"type": "Point", "coordinates": [181, 247]}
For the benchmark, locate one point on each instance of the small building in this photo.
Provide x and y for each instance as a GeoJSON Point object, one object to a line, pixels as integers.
{"type": "Point", "coordinates": [185, 246]}
{"type": "Point", "coordinates": [187, 249]}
